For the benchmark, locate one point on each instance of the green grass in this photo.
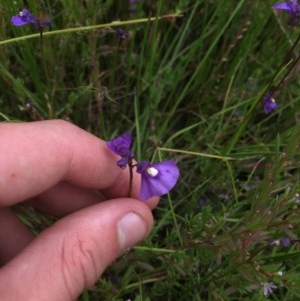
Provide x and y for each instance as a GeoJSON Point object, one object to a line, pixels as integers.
{"type": "Point", "coordinates": [189, 89]}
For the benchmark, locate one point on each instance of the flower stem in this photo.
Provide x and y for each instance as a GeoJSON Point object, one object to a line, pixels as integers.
{"type": "Point", "coordinates": [283, 64]}
{"type": "Point", "coordinates": [43, 58]}
{"type": "Point", "coordinates": [130, 178]}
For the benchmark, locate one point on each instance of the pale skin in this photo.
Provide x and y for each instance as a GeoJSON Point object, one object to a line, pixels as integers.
{"type": "Point", "coordinates": [64, 171]}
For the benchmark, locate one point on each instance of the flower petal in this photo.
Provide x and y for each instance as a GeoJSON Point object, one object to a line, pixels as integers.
{"type": "Point", "coordinates": [158, 183]}
{"type": "Point", "coordinates": [18, 21]}
{"type": "Point", "coordinates": [121, 147]}
{"type": "Point", "coordinates": [282, 5]}
{"type": "Point", "coordinates": [269, 103]}
{"type": "Point", "coordinates": [24, 18]}
{"type": "Point", "coordinates": [119, 144]}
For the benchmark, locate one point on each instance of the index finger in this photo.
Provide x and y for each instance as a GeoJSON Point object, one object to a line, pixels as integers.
{"type": "Point", "coordinates": [36, 156]}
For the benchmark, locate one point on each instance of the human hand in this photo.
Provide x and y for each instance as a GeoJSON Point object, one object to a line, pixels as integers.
{"type": "Point", "coordinates": [59, 169]}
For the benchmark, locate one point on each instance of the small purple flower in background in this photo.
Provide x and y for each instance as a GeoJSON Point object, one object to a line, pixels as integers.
{"type": "Point", "coordinates": [283, 242]}
{"type": "Point", "coordinates": [25, 17]}
{"type": "Point", "coordinates": [268, 288]}
{"type": "Point", "coordinates": [132, 6]}
{"type": "Point", "coordinates": [269, 103]}
{"type": "Point", "coordinates": [121, 147]}
{"type": "Point", "coordinates": [291, 7]}
{"type": "Point", "coordinates": [121, 33]}
{"type": "Point", "coordinates": [157, 178]}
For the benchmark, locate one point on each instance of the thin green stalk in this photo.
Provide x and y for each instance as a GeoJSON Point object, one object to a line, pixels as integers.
{"type": "Point", "coordinates": [137, 126]}
{"type": "Point", "coordinates": [89, 28]}
{"type": "Point", "coordinates": [220, 157]}
{"type": "Point", "coordinates": [241, 128]}
{"type": "Point", "coordinates": [230, 171]}
{"type": "Point", "coordinates": [172, 209]}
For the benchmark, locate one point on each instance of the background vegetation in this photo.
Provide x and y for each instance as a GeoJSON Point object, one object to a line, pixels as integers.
{"type": "Point", "coordinates": [190, 89]}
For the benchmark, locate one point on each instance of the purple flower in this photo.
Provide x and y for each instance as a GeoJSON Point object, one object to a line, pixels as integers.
{"type": "Point", "coordinates": [25, 17]}
{"type": "Point", "coordinates": [121, 147]}
{"type": "Point", "coordinates": [268, 288]}
{"type": "Point", "coordinates": [157, 178]}
{"type": "Point", "coordinates": [121, 33]}
{"type": "Point", "coordinates": [291, 7]}
{"type": "Point", "coordinates": [285, 241]}
{"type": "Point", "coordinates": [269, 103]}
{"type": "Point", "coordinates": [133, 8]}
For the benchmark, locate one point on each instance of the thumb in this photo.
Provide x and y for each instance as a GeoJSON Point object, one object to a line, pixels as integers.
{"type": "Point", "coordinates": [72, 254]}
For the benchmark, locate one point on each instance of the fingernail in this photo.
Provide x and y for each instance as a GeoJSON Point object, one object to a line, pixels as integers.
{"type": "Point", "coordinates": [132, 229]}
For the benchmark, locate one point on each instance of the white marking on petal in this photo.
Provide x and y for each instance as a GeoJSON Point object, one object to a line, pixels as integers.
{"type": "Point", "coordinates": [152, 171]}
{"type": "Point", "coordinates": [20, 14]}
